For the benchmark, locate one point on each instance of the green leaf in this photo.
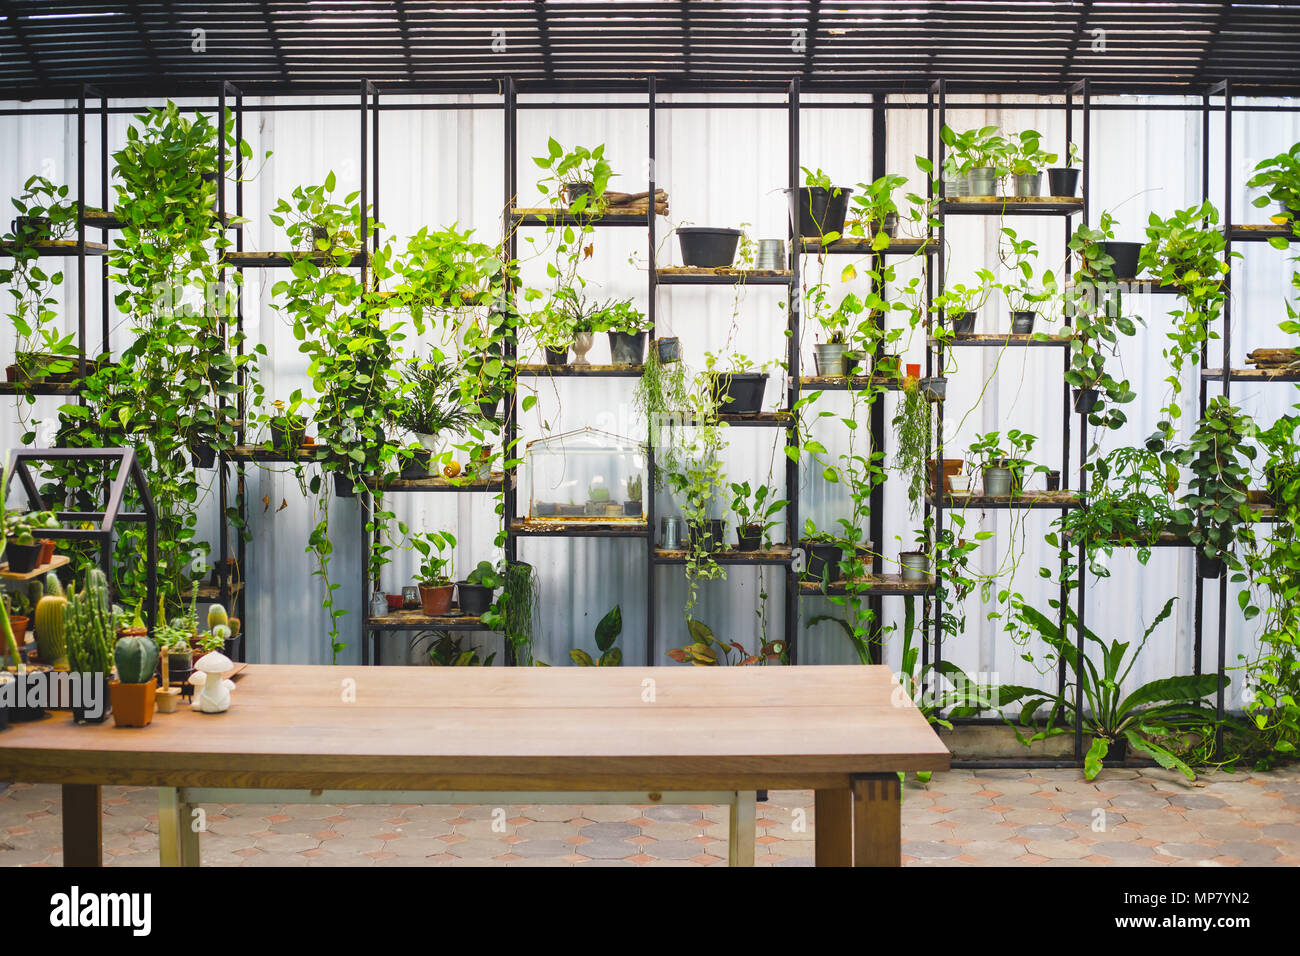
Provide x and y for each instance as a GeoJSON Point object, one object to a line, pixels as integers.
{"type": "Point", "coordinates": [609, 628]}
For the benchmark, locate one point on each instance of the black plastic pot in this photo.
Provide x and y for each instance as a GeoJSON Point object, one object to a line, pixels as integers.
{"type": "Point", "coordinates": [1125, 255]}
{"type": "Point", "coordinates": [100, 682]}
{"type": "Point", "coordinates": [343, 487]}
{"type": "Point", "coordinates": [739, 393]}
{"type": "Point", "coordinates": [230, 647]}
{"type": "Point", "coordinates": [670, 349]}
{"type": "Point", "coordinates": [749, 537]}
{"type": "Point", "coordinates": [283, 436]}
{"type": "Point", "coordinates": [31, 228]}
{"type": "Point", "coordinates": [575, 191]}
{"type": "Point", "coordinates": [417, 466]}
{"type": "Point", "coordinates": [177, 673]}
{"type": "Point", "coordinates": [627, 348]}
{"type": "Point", "coordinates": [963, 323]}
{"type": "Point", "coordinates": [816, 210]}
{"type": "Point", "coordinates": [1022, 323]}
{"type": "Point", "coordinates": [474, 598]}
{"type": "Point", "coordinates": [202, 454]}
{"type": "Point", "coordinates": [1085, 399]}
{"type": "Point", "coordinates": [556, 356]}
{"type": "Point", "coordinates": [1209, 567]}
{"type": "Point", "coordinates": [822, 557]}
{"type": "Point", "coordinates": [36, 673]}
{"type": "Point", "coordinates": [1053, 481]}
{"type": "Point", "coordinates": [488, 407]}
{"type": "Point", "coordinates": [632, 509]}
{"type": "Point", "coordinates": [1063, 181]}
{"type": "Point", "coordinates": [707, 247]}
{"type": "Point", "coordinates": [22, 557]}
{"type": "Point", "coordinates": [709, 534]}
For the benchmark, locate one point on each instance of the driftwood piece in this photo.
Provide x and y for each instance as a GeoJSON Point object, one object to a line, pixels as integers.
{"type": "Point", "coordinates": [624, 199]}
{"type": "Point", "coordinates": [1274, 358]}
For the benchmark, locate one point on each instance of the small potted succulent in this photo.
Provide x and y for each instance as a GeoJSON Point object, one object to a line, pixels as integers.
{"type": "Point", "coordinates": [632, 508]}
{"type": "Point", "coordinates": [134, 693]}
{"type": "Point", "coordinates": [433, 580]}
{"type": "Point", "coordinates": [23, 547]}
{"type": "Point", "coordinates": [477, 589]}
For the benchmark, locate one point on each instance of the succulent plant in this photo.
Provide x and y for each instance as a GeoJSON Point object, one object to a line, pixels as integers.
{"type": "Point", "coordinates": [136, 658]}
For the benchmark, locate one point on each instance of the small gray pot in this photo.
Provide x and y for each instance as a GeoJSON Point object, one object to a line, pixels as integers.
{"type": "Point", "coordinates": [916, 566]}
{"type": "Point", "coordinates": [830, 358]}
{"type": "Point", "coordinates": [1028, 184]}
{"type": "Point", "coordinates": [669, 348]}
{"type": "Point", "coordinates": [997, 481]}
{"type": "Point", "coordinates": [982, 181]}
{"type": "Point", "coordinates": [935, 388]}
{"type": "Point", "coordinates": [956, 187]}
{"type": "Point", "coordinates": [627, 348]}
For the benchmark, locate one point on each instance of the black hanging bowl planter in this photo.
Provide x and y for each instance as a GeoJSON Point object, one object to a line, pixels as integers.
{"type": "Point", "coordinates": [1085, 400]}
{"type": "Point", "coordinates": [1062, 181]}
{"type": "Point", "coordinates": [1125, 255]}
{"type": "Point", "coordinates": [706, 247]}
{"type": "Point", "coordinates": [816, 210]}
{"type": "Point", "coordinates": [627, 348]}
{"type": "Point", "coordinates": [739, 393]}
{"type": "Point", "coordinates": [474, 598]}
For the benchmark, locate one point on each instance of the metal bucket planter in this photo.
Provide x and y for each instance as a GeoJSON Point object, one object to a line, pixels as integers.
{"type": "Point", "coordinates": [1085, 400]}
{"type": "Point", "coordinates": [963, 323]}
{"type": "Point", "coordinates": [627, 348]}
{"type": "Point", "coordinates": [1063, 181]}
{"type": "Point", "coordinates": [1022, 322]}
{"type": "Point", "coordinates": [915, 564]}
{"type": "Point", "coordinates": [816, 210]}
{"type": "Point", "coordinates": [1028, 185]}
{"type": "Point", "coordinates": [669, 349]}
{"type": "Point", "coordinates": [982, 181]}
{"type": "Point", "coordinates": [830, 359]}
{"type": "Point", "coordinates": [997, 482]}
{"type": "Point", "coordinates": [935, 388]}
{"type": "Point", "coordinates": [740, 393]}
{"type": "Point", "coordinates": [1125, 255]}
{"type": "Point", "coordinates": [706, 247]}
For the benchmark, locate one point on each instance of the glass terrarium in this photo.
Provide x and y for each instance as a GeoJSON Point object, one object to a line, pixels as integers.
{"type": "Point", "coordinates": [585, 475]}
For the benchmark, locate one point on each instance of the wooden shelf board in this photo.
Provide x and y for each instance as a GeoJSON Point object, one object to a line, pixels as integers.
{"type": "Point", "coordinates": [1012, 205]}
{"type": "Point", "coordinates": [494, 482]}
{"type": "Point", "coordinates": [1025, 499]}
{"type": "Point", "coordinates": [579, 371]}
{"type": "Point", "coordinates": [883, 584]}
{"type": "Point", "coordinates": [59, 247]}
{"type": "Point", "coordinates": [862, 247]}
{"type": "Point", "coordinates": [59, 560]}
{"type": "Point", "coordinates": [549, 217]}
{"type": "Point", "coordinates": [850, 383]}
{"type": "Point", "coordinates": [772, 556]}
{"type": "Point", "coordinates": [696, 275]}
{"type": "Point", "coordinates": [1253, 374]}
{"type": "Point", "coordinates": [39, 388]}
{"type": "Point", "coordinates": [284, 260]}
{"type": "Point", "coordinates": [999, 339]}
{"type": "Point", "coordinates": [578, 527]}
{"type": "Point", "coordinates": [417, 620]}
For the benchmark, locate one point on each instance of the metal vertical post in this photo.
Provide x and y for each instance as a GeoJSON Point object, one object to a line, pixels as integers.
{"type": "Point", "coordinates": [794, 320]}
{"type": "Point", "coordinates": [509, 344]}
{"type": "Point", "coordinates": [648, 494]}
{"type": "Point", "coordinates": [875, 604]}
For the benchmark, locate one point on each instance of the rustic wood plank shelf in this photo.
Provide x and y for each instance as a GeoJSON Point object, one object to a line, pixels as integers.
{"type": "Point", "coordinates": [549, 217]}
{"type": "Point", "coordinates": [1259, 232]}
{"type": "Point", "coordinates": [285, 260]}
{"type": "Point", "coordinates": [59, 560]}
{"type": "Point", "coordinates": [58, 247]}
{"type": "Point", "coordinates": [39, 388]}
{"type": "Point", "coordinates": [579, 371]}
{"type": "Point", "coordinates": [1024, 499]}
{"type": "Point", "coordinates": [862, 247]}
{"type": "Point", "coordinates": [1012, 205]}
{"type": "Point", "coordinates": [494, 482]}
{"type": "Point", "coordinates": [262, 453]}
{"type": "Point", "coordinates": [209, 593]}
{"type": "Point", "coordinates": [850, 383]}
{"type": "Point", "coordinates": [1000, 339]}
{"type": "Point", "coordinates": [882, 584]}
{"type": "Point", "coordinates": [696, 275]}
{"type": "Point", "coordinates": [1253, 374]}
{"type": "Point", "coordinates": [580, 528]}
{"type": "Point", "coordinates": [99, 219]}
{"type": "Point", "coordinates": [417, 620]}
{"type": "Point", "coordinates": [732, 556]}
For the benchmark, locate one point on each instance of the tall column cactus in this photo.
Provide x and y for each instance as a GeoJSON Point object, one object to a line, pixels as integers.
{"type": "Point", "coordinates": [89, 626]}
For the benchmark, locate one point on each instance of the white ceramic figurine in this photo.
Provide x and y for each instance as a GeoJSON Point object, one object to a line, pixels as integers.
{"type": "Point", "coordinates": [213, 692]}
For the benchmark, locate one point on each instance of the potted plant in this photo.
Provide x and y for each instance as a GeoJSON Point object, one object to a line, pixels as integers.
{"type": "Point", "coordinates": [477, 589]}
{"type": "Point", "coordinates": [175, 650]}
{"type": "Point", "coordinates": [430, 409]}
{"type": "Point", "coordinates": [1280, 177]}
{"type": "Point", "coordinates": [632, 507]}
{"type": "Point", "coordinates": [134, 693]}
{"type": "Point", "coordinates": [738, 389]}
{"type": "Point", "coordinates": [915, 564]}
{"type": "Point", "coordinates": [951, 469]}
{"type": "Point", "coordinates": [824, 553]}
{"type": "Point", "coordinates": [1002, 468]}
{"type": "Point", "coordinates": [17, 608]}
{"type": "Point", "coordinates": [959, 304]}
{"type": "Point", "coordinates": [912, 433]}
{"type": "Point", "coordinates": [607, 633]}
{"type": "Point", "coordinates": [818, 208]}
{"type": "Point", "coordinates": [288, 428]}
{"type": "Point", "coordinates": [90, 625]}
{"type": "Point", "coordinates": [51, 608]}
{"type": "Point", "coordinates": [981, 155]}
{"type": "Point", "coordinates": [705, 247]}
{"type": "Point", "coordinates": [1027, 160]}
{"type": "Point", "coordinates": [515, 612]}
{"type": "Point", "coordinates": [1063, 181]}
{"type": "Point", "coordinates": [434, 582]}
{"type": "Point", "coordinates": [754, 512]}
{"type": "Point", "coordinates": [875, 211]}
{"type": "Point", "coordinates": [577, 177]}
{"type": "Point", "coordinates": [1022, 293]}
{"type": "Point", "coordinates": [627, 327]}
{"type": "Point", "coordinates": [829, 356]}
{"type": "Point", "coordinates": [23, 547]}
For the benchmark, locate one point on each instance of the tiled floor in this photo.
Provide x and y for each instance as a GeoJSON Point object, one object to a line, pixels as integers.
{"type": "Point", "coordinates": [998, 817]}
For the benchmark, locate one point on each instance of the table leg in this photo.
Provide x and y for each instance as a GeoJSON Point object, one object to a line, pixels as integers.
{"type": "Point", "coordinates": [877, 820]}
{"type": "Point", "coordinates": [741, 830]}
{"type": "Point", "coordinates": [178, 841]}
{"type": "Point", "coordinates": [833, 827]}
{"type": "Point", "coordinates": [83, 825]}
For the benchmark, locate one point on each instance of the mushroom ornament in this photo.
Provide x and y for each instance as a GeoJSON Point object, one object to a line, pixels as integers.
{"type": "Point", "coordinates": [213, 695]}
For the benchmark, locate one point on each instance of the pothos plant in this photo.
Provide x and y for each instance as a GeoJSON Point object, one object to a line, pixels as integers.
{"type": "Point", "coordinates": [178, 380]}
{"type": "Point", "coordinates": [696, 481]}
{"type": "Point", "coordinates": [44, 215]}
{"type": "Point", "coordinates": [353, 349]}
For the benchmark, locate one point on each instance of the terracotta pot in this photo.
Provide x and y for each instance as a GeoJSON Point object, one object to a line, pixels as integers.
{"type": "Point", "coordinates": [19, 625]}
{"type": "Point", "coordinates": [47, 552]}
{"type": "Point", "coordinates": [435, 601]}
{"type": "Point", "coordinates": [133, 704]}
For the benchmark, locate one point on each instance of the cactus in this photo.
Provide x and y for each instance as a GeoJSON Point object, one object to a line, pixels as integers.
{"type": "Point", "coordinates": [217, 616]}
{"type": "Point", "coordinates": [49, 615]}
{"type": "Point", "coordinates": [89, 625]}
{"type": "Point", "coordinates": [136, 658]}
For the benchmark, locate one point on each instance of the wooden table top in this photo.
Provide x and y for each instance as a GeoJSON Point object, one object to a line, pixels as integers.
{"type": "Point", "coordinates": [503, 728]}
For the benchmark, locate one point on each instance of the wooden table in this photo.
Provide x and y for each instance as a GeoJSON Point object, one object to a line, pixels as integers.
{"type": "Point", "coordinates": [840, 731]}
